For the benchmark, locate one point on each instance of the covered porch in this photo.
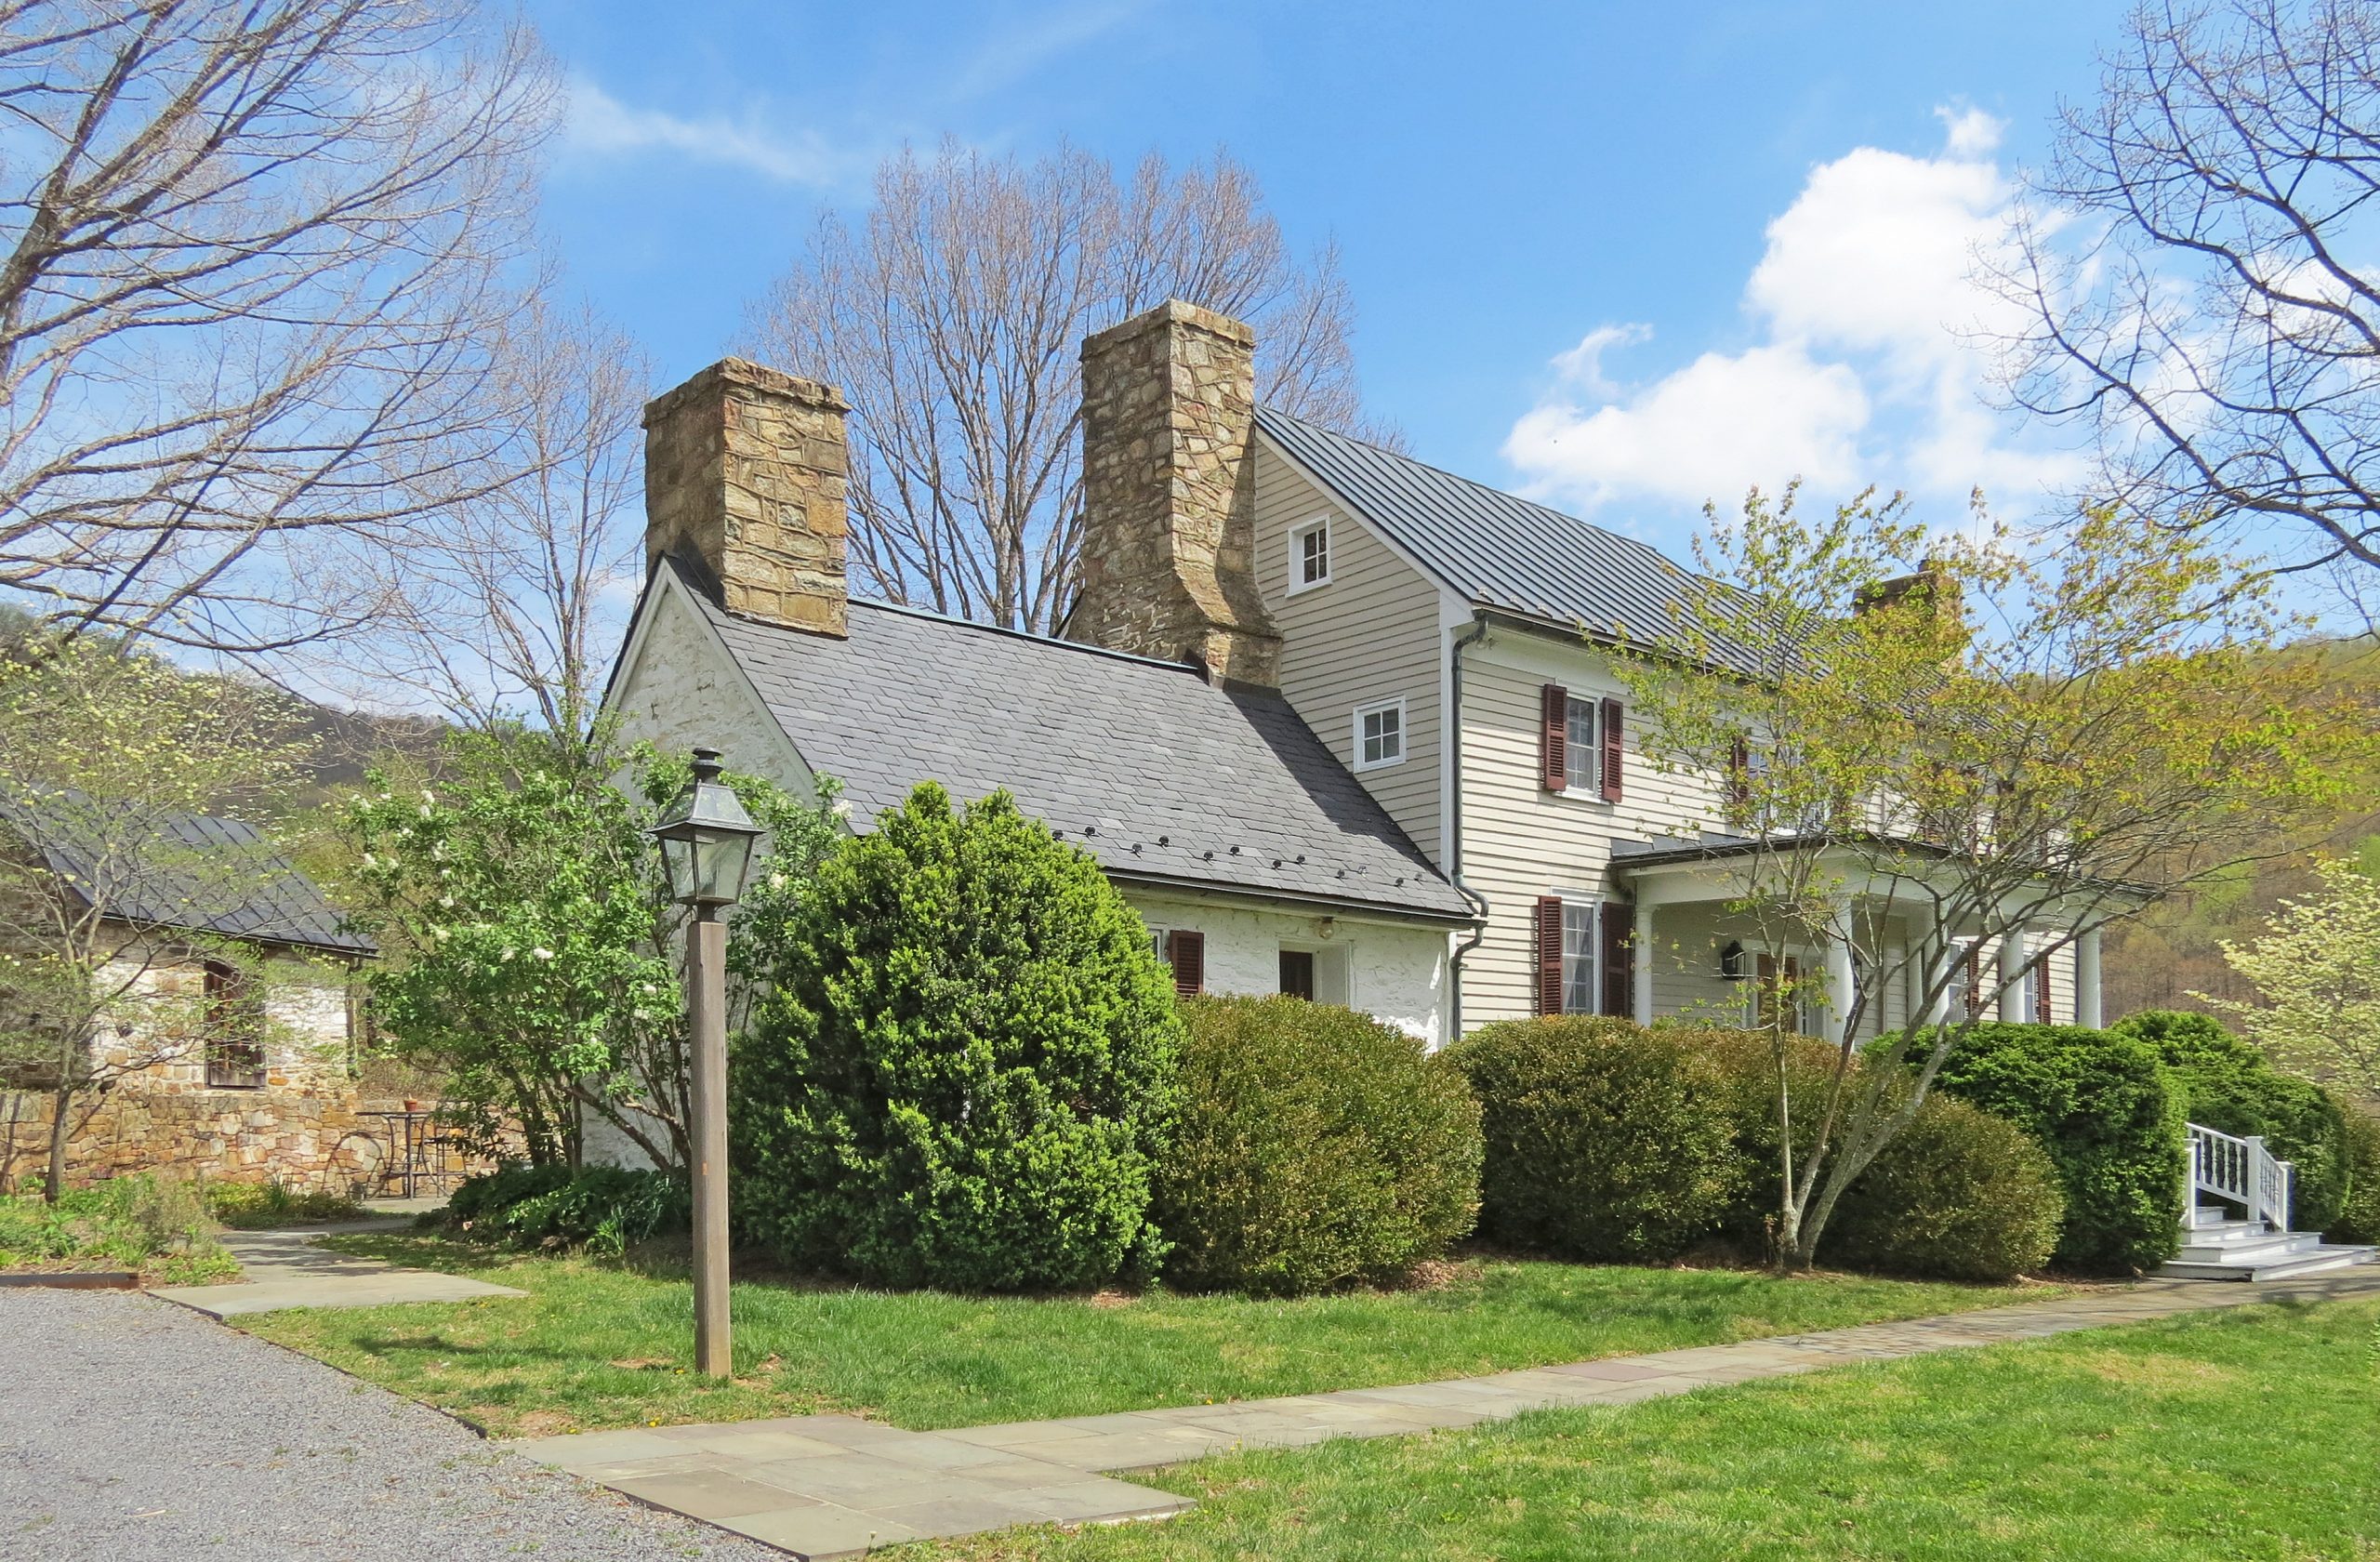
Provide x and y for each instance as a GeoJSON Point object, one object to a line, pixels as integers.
{"type": "Point", "coordinates": [1693, 954]}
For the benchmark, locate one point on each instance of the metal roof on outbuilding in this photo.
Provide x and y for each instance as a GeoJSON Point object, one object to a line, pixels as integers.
{"type": "Point", "coordinates": [191, 871]}
{"type": "Point", "coordinates": [1165, 779]}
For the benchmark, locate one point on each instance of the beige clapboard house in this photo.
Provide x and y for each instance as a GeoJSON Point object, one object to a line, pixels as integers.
{"type": "Point", "coordinates": [1337, 723]}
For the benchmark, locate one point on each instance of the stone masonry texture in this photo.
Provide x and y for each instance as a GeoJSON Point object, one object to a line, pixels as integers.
{"type": "Point", "coordinates": [747, 475]}
{"type": "Point", "coordinates": [1168, 494]}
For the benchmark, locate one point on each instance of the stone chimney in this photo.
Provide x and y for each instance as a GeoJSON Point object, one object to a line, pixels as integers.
{"type": "Point", "coordinates": [1169, 405]}
{"type": "Point", "coordinates": [745, 473]}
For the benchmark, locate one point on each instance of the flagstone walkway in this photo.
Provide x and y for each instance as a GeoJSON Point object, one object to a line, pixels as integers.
{"type": "Point", "coordinates": [284, 1269]}
{"type": "Point", "coordinates": [831, 1485]}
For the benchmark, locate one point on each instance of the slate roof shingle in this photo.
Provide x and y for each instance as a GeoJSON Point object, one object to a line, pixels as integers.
{"type": "Point", "coordinates": [263, 900]}
{"type": "Point", "coordinates": [1162, 776]}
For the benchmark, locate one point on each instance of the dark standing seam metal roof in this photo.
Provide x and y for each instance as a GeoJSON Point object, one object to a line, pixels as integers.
{"type": "Point", "coordinates": [260, 898]}
{"type": "Point", "coordinates": [1495, 550]}
{"type": "Point", "coordinates": [1163, 777]}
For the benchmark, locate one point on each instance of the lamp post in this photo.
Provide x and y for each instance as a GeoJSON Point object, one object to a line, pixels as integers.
{"type": "Point", "coordinates": [707, 846]}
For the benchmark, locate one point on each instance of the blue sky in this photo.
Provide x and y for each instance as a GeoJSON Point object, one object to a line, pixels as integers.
{"type": "Point", "coordinates": [1618, 255]}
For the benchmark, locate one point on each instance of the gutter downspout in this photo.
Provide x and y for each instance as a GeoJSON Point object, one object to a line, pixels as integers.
{"type": "Point", "coordinates": [1478, 903]}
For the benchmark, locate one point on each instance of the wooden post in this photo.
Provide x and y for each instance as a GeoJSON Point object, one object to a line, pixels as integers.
{"type": "Point", "coordinates": [706, 993]}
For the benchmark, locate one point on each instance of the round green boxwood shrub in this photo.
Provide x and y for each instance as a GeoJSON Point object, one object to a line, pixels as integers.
{"type": "Point", "coordinates": [1316, 1147]}
{"type": "Point", "coordinates": [2230, 1086]}
{"type": "Point", "coordinates": [2104, 1107]}
{"type": "Point", "coordinates": [1958, 1194]}
{"type": "Point", "coordinates": [1604, 1141]}
{"type": "Point", "coordinates": [969, 1068]}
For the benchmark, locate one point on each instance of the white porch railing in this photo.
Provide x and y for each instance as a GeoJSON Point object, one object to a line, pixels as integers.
{"type": "Point", "coordinates": [2241, 1171]}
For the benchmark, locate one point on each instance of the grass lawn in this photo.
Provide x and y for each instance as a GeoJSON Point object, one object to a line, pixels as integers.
{"type": "Point", "coordinates": [2254, 1432]}
{"type": "Point", "coordinates": [597, 1344]}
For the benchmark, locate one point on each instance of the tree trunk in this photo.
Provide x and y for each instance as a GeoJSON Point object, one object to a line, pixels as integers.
{"type": "Point", "coordinates": [62, 1101]}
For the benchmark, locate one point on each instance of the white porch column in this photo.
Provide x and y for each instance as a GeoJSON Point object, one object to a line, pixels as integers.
{"type": "Point", "coordinates": [2087, 1012]}
{"type": "Point", "coordinates": [1840, 979]}
{"type": "Point", "coordinates": [2012, 989]}
{"type": "Point", "coordinates": [1938, 1009]}
{"type": "Point", "coordinates": [1640, 965]}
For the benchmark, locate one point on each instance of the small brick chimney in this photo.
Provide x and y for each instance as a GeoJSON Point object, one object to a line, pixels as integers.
{"type": "Point", "coordinates": [1169, 405]}
{"type": "Point", "coordinates": [745, 477]}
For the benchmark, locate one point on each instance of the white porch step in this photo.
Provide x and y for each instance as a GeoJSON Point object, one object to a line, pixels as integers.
{"type": "Point", "coordinates": [2278, 1256]}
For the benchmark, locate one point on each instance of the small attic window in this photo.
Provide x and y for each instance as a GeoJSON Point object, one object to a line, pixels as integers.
{"type": "Point", "coordinates": [1380, 734]}
{"type": "Point", "coordinates": [1310, 555]}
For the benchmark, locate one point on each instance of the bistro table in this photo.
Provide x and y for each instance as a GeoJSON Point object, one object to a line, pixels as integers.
{"type": "Point", "coordinates": [415, 1149]}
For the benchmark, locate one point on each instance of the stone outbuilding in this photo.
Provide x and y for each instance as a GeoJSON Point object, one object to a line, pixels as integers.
{"type": "Point", "coordinates": [233, 1052]}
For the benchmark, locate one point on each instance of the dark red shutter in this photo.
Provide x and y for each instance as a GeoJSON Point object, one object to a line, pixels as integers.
{"type": "Point", "coordinates": [1739, 776]}
{"type": "Point", "coordinates": [1553, 737]}
{"type": "Point", "coordinates": [1549, 955]}
{"type": "Point", "coordinates": [1611, 750]}
{"type": "Point", "coordinates": [1618, 921]}
{"type": "Point", "coordinates": [1975, 980]}
{"type": "Point", "coordinates": [1187, 951]}
{"type": "Point", "coordinates": [2041, 992]}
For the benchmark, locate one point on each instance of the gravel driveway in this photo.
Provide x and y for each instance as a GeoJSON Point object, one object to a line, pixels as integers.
{"type": "Point", "coordinates": [134, 1431]}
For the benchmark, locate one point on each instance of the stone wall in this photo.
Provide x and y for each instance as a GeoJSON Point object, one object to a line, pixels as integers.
{"type": "Point", "coordinates": [1169, 407]}
{"type": "Point", "coordinates": [747, 473]}
{"type": "Point", "coordinates": [304, 1126]}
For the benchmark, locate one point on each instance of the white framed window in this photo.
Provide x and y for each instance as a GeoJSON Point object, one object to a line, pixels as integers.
{"type": "Point", "coordinates": [1582, 755]}
{"type": "Point", "coordinates": [1581, 990]}
{"type": "Point", "coordinates": [1310, 555]}
{"type": "Point", "coordinates": [1380, 734]}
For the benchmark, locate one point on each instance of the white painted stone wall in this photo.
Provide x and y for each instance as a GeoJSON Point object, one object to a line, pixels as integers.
{"type": "Point", "coordinates": [1395, 971]}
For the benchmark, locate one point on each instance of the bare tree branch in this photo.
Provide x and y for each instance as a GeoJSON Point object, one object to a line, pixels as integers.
{"type": "Point", "coordinates": [249, 255]}
{"type": "Point", "coordinates": [952, 321]}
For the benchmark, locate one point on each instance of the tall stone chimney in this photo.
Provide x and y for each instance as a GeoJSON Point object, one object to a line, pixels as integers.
{"type": "Point", "coordinates": [1169, 405]}
{"type": "Point", "coordinates": [745, 478]}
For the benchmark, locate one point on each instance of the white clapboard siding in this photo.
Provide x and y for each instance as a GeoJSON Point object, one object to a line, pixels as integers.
{"type": "Point", "coordinates": [1370, 635]}
{"type": "Point", "coordinates": [1521, 842]}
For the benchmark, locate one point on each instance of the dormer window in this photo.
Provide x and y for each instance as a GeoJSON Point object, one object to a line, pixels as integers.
{"type": "Point", "coordinates": [1380, 734]}
{"type": "Point", "coordinates": [1310, 556]}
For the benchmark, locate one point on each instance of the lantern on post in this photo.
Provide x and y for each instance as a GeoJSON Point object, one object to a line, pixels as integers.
{"type": "Point", "coordinates": [706, 839]}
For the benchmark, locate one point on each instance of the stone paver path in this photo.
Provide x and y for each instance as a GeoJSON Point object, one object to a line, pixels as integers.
{"type": "Point", "coordinates": [284, 1269]}
{"type": "Point", "coordinates": [834, 1486]}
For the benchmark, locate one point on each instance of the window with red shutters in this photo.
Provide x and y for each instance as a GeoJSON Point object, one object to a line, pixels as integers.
{"type": "Point", "coordinates": [1611, 750]}
{"type": "Point", "coordinates": [1186, 952]}
{"type": "Point", "coordinates": [2040, 993]}
{"type": "Point", "coordinates": [1548, 995]}
{"type": "Point", "coordinates": [1553, 737]}
{"type": "Point", "coordinates": [1740, 778]}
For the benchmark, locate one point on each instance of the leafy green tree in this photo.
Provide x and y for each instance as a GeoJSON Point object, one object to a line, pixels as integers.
{"type": "Point", "coordinates": [2317, 968]}
{"type": "Point", "coordinates": [528, 934]}
{"type": "Point", "coordinates": [102, 750]}
{"type": "Point", "coordinates": [970, 1067]}
{"type": "Point", "coordinates": [1945, 744]}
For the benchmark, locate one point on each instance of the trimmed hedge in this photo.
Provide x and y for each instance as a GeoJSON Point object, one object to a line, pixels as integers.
{"type": "Point", "coordinates": [605, 1208]}
{"type": "Point", "coordinates": [1316, 1147]}
{"type": "Point", "coordinates": [968, 1073]}
{"type": "Point", "coordinates": [1608, 1141]}
{"type": "Point", "coordinates": [1959, 1194]}
{"type": "Point", "coordinates": [2231, 1087]}
{"type": "Point", "coordinates": [2105, 1108]}
{"type": "Point", "coordinates": [1604, 1141]}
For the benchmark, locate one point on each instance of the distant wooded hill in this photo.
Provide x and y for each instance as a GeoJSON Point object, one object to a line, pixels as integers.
{"type": "Point", "coordinates": [2173, 949]}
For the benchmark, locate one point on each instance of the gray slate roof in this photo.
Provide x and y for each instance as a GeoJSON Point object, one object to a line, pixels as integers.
{"type": "Point", "coordinates": [1163, 777]}
{"type": "Point", "coordinates": [1494, 549]}
{"type": "Point", "coordinates": [195, 872]}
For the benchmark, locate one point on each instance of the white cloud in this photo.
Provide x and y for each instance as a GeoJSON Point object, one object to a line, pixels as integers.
{"type": "Point", "coordinates": [600, 125]}
{"type": "Point", "coordinates": [1869, 363]}
{"type": "Point", "coordinates": [1710, 431]}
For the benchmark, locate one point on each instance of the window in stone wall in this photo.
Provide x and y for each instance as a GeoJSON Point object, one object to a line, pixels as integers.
{"type": "Point", "coordinates": [234, 1029]}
